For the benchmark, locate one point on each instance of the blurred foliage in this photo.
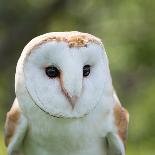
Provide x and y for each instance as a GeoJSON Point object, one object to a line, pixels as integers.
{"type": "Point", "coordinates": [128, 33]}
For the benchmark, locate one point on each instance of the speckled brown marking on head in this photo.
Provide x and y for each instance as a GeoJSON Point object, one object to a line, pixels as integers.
{"type": "Point", "coordinates": [73, 39]}
{"type": "Point", "coordinates": [11, 123]}
{"type": "Point", "coordinates": [78, 41]}
{"type": "Point", "coordinates": [121, 119]}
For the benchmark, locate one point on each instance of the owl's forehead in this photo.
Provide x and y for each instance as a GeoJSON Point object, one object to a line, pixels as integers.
{"type": "Point", "coordinates": [60, 53]}
{"type": "Point", "coordinates": [72, 39]}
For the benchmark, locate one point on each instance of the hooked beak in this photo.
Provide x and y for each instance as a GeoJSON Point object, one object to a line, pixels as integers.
{"type": "Point", "coordinates": [72, 100]}
{"type": "Point", "coordinates": [71, 96]}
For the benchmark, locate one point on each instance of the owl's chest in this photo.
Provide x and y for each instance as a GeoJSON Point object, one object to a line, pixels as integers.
{"type": "Point", "coordinates": [64, 136]}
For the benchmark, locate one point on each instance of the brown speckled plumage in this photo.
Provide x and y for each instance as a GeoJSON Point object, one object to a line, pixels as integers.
{"type": "Point", "coordinates": [121, 120]}
{"type": "Point", "coordinates": [11, 123]}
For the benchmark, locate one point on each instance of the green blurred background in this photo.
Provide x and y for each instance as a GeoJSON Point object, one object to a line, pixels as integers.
{"type": "Point", "coordinates": [127, 29]}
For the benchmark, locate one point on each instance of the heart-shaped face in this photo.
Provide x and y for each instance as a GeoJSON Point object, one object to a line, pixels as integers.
{"type": "Point", "coordinates": [66, 81]}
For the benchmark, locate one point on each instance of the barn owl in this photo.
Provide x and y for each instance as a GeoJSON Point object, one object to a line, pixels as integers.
{"type": "Point", "coordinates": [65, 103]}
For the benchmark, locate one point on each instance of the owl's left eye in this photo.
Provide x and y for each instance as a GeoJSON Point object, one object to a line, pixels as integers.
{"type": "Point", "coordinates": [86, 70]}
{"type": "Point", "coordinates": [52, 72]}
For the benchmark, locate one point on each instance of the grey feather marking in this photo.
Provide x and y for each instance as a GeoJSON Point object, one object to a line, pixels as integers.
{"type": "Point", "coordinates": [114, 145]}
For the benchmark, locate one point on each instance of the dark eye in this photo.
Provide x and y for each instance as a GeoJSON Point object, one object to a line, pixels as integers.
{"type": "Point", "coordinates": [86, 70]}
{"type": "Point", "coordinates": [52, 72]}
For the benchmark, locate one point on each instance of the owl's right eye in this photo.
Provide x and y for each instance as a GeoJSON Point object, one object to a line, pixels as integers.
{"type": "Point", "coordinates": [52, 72]}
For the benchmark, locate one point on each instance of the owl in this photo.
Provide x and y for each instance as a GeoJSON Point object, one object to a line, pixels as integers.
{"type": "Point", "coordinates": [65, 102]}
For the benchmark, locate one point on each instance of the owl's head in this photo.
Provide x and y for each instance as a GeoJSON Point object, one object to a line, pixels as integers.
{"type": "Point", "coordinates": [65, 74]}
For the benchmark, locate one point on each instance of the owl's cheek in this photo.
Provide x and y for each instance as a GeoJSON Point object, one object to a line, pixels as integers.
{"type": "Point", "coordinates": [89, 98]}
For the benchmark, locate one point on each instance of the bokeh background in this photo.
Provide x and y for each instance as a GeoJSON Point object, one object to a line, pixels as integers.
{"type": "Point", "coordinates": [127, 29]}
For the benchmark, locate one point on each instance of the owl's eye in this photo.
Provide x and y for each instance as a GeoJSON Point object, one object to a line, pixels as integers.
{"type": "Point", "coordinates": [86, 70]}
{"type": "Point", "coordinates": [52, 72]}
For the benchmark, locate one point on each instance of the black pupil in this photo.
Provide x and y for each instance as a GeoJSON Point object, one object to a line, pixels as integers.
{"type": "Point", "coordinates": [52, 72]}
{"type": "Point", "coordinates": [86, 70]}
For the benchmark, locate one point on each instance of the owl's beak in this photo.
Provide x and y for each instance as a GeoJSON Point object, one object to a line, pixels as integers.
{"type": "Point", "coordinates": [71, 89]}
{"type": "Point", "coordinates": [72, 100]}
